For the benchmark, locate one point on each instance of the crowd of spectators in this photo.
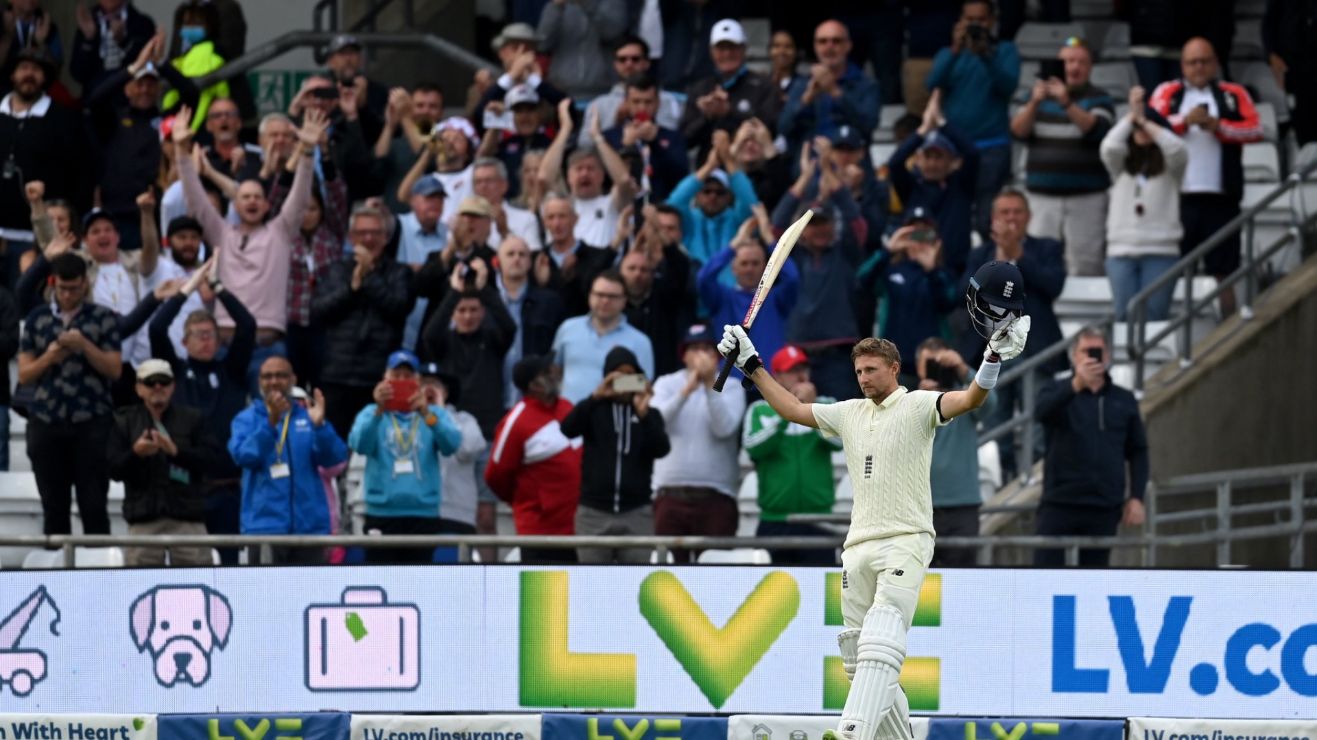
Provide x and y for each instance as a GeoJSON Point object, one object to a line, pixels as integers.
{"type": "Point", "coordinates": [521, 303]}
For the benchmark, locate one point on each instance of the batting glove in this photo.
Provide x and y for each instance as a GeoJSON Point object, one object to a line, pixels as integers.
{"type": "Point", "coordinates": [736, 345]}
{"type": "Point", "coordinates": [1009, 342]}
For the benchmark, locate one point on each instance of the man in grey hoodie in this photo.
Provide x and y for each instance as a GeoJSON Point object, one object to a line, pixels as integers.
{"type": "Point", "coordinates": [579, 34]}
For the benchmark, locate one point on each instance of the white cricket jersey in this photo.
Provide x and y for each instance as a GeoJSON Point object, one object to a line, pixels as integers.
{"type": "Point", "coordinates": [889, 450]}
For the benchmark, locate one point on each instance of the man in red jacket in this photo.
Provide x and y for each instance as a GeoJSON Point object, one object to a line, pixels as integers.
{"type": "Point", "coordinates": [534, 466]}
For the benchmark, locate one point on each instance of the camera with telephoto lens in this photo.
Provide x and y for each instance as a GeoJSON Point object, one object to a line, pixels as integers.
{"type": "Point", "coordinates": [946, 376]}
{"type": "Point", "coordinates": [976, 33]}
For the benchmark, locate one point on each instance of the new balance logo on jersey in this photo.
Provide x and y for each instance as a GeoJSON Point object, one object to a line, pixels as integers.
{"type": "Point", "coordinates": [868, 466]}
{"type": "Point", "coordinates": [898, 573]}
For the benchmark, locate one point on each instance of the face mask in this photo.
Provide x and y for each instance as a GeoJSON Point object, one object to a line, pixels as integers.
{"type": "Point", "coordinates": [191, 36]}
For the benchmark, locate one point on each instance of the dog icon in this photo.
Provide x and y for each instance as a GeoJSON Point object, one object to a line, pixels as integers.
{"type": "Point", "coordinates": [180, 626]}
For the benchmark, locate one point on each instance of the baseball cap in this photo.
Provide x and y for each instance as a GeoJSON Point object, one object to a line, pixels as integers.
{"type": "Point", "coordinates": [846, 137]}
{"type": "Point", "coordinates": [727, 31]}
{"type": "Point", "coordinates": [94, 215]}
{"type": "Point", "coordinates": [428, 185]}
{"type": "Point", "coordinates": [697, 334]}
{"type": "Point", "coordinates": [719, 177]}
{"type": "Point", "coordinates": [147, 70]}
{"type": "Point", "coordinates": [514, 32]}
{"type": "Point", "coordinates": [475, 205]}
{"type": "Point", "coordinates": [183, 223]}
{"type": "Point", "coordinates": [939, 140]}
{"type": "Point", "coordinates": [787, 358]}
{"type": "Point", "coordinates": [528, 369]}
{"type": "Point", "coordinates": [452, 386]}
{"type": "Point", "coordinates": [154, 369]}
{"type": "Point", "coordinates": [403, 357]}
{"type": "Point", "coordinates": [522, 94]}
{"type": "Point", "coordinates": [461, 124]}
{"type": "Point", "coordinates": [341, 42]}
{"type": "Point", "coordinates": [919, 215]}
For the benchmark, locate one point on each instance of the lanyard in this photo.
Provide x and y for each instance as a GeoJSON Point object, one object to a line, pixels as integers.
{"type": "Point", "coordinates": [283, 437]}
{"type": "Point", "coordinates": [404, 443]}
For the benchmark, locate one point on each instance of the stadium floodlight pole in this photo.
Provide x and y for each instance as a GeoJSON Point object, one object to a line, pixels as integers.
{"type": "Point", "coordinates": [781, 253]}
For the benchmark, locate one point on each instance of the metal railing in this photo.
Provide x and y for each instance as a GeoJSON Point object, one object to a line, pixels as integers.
{"type": "Point", "coordinates": [1223, 485]}
{"type": "Point", "coordinates": [297, 39]}
{"type": "Point", "coordinates": [1248, 273]}
{"type": "Point", "coordinates": [325, 17]}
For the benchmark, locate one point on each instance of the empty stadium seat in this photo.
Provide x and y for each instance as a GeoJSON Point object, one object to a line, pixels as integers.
{"type": "Point", "coordinates": [1248, 39]}
{"type": "Point", "coordinates": [739, 556]}
{"type": "Point", "coordinates": [887, 117]}
{"type": "Point", "coordinates": [1115, 77]}
{"type": "Point", "coordinates": [1028, 73]}
{"type": "Point", "coordinates": [84, 557]}
{"type": "Point", "coordinates": [1043, 40]}
{"type": "Point", "coordinates": [1116, 42]}
{"type": "Point", "coordinates": [1270, 125]}
{"type": "Point", "coordinates": [1261, 162]}
{"type": "Point", "coordinates": [1257, 77]}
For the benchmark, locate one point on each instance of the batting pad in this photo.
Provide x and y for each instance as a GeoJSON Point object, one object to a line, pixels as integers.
{"type": "Point", "coordinates": [848, 640]}
{"type": "Point", "coordinates": [896, 723]}
{"type": "Point", "coordinates": [880, 654]}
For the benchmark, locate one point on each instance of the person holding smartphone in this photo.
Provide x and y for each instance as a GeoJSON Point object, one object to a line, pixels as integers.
{"type": "Point", "coordinates": [1095, 441]}
{"type": "Point", "coordinates": [907, 284]}
{"type": "Point", "coordinates": [401, 435]}
{"type": "Point", "coordinates": [622, 437]}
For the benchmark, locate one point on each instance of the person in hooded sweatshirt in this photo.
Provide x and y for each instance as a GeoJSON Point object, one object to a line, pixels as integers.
{"type": "Point", "coordinates": [622, 437]}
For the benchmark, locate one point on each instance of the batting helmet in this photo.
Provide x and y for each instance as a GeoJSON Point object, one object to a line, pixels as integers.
{"type": "Point", "coordinates": [995, 296]}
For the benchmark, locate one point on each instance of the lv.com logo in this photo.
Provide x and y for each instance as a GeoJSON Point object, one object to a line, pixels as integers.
{"type": "Point", "coordinates": [1150, 674]}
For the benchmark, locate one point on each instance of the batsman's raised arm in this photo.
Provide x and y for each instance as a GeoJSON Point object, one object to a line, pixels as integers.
{"type": "Point", "coordinates": [736, 346]}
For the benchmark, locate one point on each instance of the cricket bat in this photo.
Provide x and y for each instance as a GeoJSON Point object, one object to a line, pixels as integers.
{"type": "Point", "coordinates": [781, 253]}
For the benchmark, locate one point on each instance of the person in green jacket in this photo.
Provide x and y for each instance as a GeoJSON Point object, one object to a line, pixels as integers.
{"type": "Point", "coordinates": [198, 58]}
{"type": "Point", "coordinates": [793, 462]}
{"type": "Point", "coordinates": [954, 475]}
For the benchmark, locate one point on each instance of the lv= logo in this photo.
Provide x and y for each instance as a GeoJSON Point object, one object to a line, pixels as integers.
{"type": "Point", "coordinates": [920, 676]}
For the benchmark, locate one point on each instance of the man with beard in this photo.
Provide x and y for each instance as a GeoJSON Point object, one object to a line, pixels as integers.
{"type": "Point", "coordinates": [1063, 123]}
{"type": "Point", "coordinates": [408, 120]}
{"type": "Point", "coordinates": [38, 141]}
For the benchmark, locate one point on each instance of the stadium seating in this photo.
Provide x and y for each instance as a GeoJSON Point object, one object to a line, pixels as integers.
{"type": "Point", "coordinates": [739, 556]}
{"type": "Point", "coordinates": [1041, 40]}
{"type": "Point", "coordinates": [84, 557]}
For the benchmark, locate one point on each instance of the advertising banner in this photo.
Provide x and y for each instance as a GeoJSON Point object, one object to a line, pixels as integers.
{"type": "Point", "coordinates": [796, 726]}
{"type": "Point", "coordinates": [446, 727]}
{"type": "Point", "coordinates": [970, 728]}
{"type": "Point", "coordinates": [632, 727]}
{"type": "Point", "coordinates": [673, 640]}
{"type": "Point", "coordinates": [317, 726]}
{"type": "Point", "coordinates": [77, 726]}
{"type": "Point", "coordinates": [1160, 728]}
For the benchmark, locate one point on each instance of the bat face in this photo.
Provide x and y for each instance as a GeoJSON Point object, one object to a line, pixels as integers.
{"type": "Point", "coordinates": [781, 253]}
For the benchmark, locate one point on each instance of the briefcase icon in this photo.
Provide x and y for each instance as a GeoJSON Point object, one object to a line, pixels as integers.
{"type": "Point", "coordinates": [363, 644]}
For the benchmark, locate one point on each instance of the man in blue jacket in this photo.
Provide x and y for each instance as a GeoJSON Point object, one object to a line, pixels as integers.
{"type": "Point", "coordinates": [1094, 437]}
{"type": "Point", "coordinates": [279, 445]}
{"type": "Point", "coordinates": [977, 75]}
{"type": "Point", "coordinates": [713, 201]}
{"type": "Point", "coordinates": [836, 93]}
{"type": "Point", "coordinates": [402, 450]}
{"type": "Point", "coordinates": [1042, 264]}
{"type": "Point", "coordinates": [748, 257]}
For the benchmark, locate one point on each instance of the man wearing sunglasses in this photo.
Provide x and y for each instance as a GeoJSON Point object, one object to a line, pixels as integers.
{"type": "Point", "coordinates": [161, 453]}
{"type": "Point", "coordinates": [630, 58]}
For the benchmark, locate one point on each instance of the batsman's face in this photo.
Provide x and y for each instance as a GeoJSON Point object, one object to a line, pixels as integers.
{"type": "Point", "coordinates": [876, 376]}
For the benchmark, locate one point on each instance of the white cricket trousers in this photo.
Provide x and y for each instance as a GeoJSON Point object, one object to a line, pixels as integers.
{"type": "Point", "coordinates": [887, 571]}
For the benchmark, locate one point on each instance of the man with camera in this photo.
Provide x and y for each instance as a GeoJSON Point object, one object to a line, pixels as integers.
{"type": "Point", "coordinates": [346, 66]}
{"type": "Point", "coordinates": [657, 150]}
{"type": "Point", "coordinates": [1095, 439]}
{"type": "Point", "coordinates": [467, 346]}
{"type": "Point", "coordinates": [977, 75]}
{"type": "Point", "coordinates": [401, 435]}
{"type": "Point", "coordinates": [1063, 123]}
{"type": "Point", "coordinates": [621, 438]}
{"type": "Point", "coordinates": [954, 474]}
{"type": "Point", "coordinates": [582, 343]}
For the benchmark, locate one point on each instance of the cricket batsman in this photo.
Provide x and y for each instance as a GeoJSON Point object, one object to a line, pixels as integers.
{"type": "Point", "coordinates": [888, 441]}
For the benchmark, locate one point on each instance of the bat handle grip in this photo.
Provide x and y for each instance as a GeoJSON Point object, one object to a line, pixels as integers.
{"type": "Point", "coordinates": [728, 363]}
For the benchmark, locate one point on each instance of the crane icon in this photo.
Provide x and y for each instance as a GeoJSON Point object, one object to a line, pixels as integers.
{"type": "Point", "coordinates": [23, 669]}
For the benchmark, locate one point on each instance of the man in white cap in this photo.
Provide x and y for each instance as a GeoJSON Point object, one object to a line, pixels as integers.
{"type": "Point", "coordinates": [161, 452]}
{"type": "Point", "coordinates": [731, 96]}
